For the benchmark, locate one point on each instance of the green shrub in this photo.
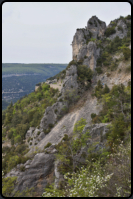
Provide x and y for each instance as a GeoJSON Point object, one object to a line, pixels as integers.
{"type": "Point", "coordinates": [126, 53]}
{"type": "Point", "coordinates": [46, 131]}
{"type": "Point", "coordinates": [30, 143]}
{"type": "Point", "coordinates": [120, 28]}
{"type": "Point", "coordinates": [38, 84]}
{"type": "Point", "coordinates": [22, 168]}
{"type": "Point", "coordinates": [47, 145]}
{"type": "Point", "coordinates": [128, 17]}
{"type": "Point", "coordinates": [80, 61]}
{"type": "Point", "coordinates": [119, 70]}
{"type": "Point", "coordinates": [110, 31]}
{"type": "Point", "coordinates": [55, 110]}
{"type": "Point", "coordinates": [99, 70]}
{"type": "Point", "coordinates": [73, 62]}
{"type": "Point", "coordinates": [51, 125]}
{"type": "Point", "coordinates": [108, 74]}
{"type": "Point", "coordinates": [38, 133]}
{"type": "Point", "coordinates": [84, 73]}
{"type": "Point", "coordinates": [65, 138]}
{"type": "Point", "coordinates": [93, 115]}
{"type": "Point", "coordinates": [106, 89]}
{"type": "Point", "coordinates": [90, 23]}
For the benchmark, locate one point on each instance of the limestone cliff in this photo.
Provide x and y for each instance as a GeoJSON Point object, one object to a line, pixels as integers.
{"type": "Point", "coordinates": [57, 121]}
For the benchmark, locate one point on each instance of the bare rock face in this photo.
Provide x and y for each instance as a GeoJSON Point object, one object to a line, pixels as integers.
{"type": "Point", "coordinates": [96, 27]}
{"type": "Point", "coordinates": [86, 50]}
{"type": "Point", "coordinates": [120, 33]}
{"type": "Point", "coordinates": [51, 114]}
{"type": "Point", "coordinates": [70, 80]}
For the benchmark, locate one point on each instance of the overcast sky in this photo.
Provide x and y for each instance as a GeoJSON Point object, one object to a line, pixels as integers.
{"type": "Point", "coordinates": [41, 32]}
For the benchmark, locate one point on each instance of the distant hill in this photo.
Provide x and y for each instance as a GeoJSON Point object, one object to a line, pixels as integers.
{"type": "Point", "coordinates": [20, 79]}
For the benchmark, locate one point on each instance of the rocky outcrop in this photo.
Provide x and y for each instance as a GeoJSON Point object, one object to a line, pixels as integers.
{"type": "Point", "coordinates": [121, 33]}
{"type": "Point", "coordinates": [83, 48]}
{"type": "Point", "coordinates": [37, 173]}
{"type": "Point", "coordinates": [52, 114]}
{"type": "Point", "coordinates": [51, 81]}
{"type": "Point", "coordinates": [70, 80]}
{"type": "Point", "coordinates": [96, 27]}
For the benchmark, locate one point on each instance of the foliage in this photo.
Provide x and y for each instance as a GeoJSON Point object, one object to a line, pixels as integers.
{"type": "Point", "coordinates": [30, 74]}
{"type": "Point", "coordinates": [109, 31]}
{"type": "Point", "coordinates": [128, 17]}
{"type": "Point", "coordinates": [47, 145]}
{"type": "Point", "coordinates": [84, 73]}
{"type": "Point", "coordinates": [18, 118]}
{"type": "Point", "coordinates": [8, 185]}
{"type": "Point", "coordinates": [70, 96]}
{"type": "Point", "coordinates": [81, 184]}
{"type": "Point", "coordinates": [120, 28]}
{"type": "Point", "coordinates": [116, 109]}
{"type": "Point", "coordinates": [69, 147]}
{"type": "Point", "coordinates": [93, 115]}
{"type": "Point", "coordinates": [126, 53]}
{"type": "Point", "coordinates": [100, 90]}
{"type": "Point", "coordinates": [99, 70]}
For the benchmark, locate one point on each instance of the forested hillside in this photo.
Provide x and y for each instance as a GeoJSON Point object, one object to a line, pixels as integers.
{"type": "Point", "coordinates": [76, 141]}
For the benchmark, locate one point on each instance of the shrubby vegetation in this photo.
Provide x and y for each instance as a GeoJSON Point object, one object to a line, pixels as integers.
{"type": "Point", "coordinates": [116, 109]}
{"type": "Point", "coordinates": [109, 31]}
{"type": "Point", "coordinates": [17, 119]}
{"type": "Point", "coordinates": [105, 174]}
{"type": "Point", "coordinates": [84, 73]}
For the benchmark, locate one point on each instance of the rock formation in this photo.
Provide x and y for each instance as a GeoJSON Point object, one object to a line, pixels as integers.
{"type": "Point", "coordinates": [56, 122]}
{"type": "Point", "coordinates": [80, 46]}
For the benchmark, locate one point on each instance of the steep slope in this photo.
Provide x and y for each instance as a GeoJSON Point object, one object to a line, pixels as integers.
{"type": "Point", "coordinates": [91, 47]}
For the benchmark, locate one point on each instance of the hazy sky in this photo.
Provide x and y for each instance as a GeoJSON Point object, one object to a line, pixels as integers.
{"type": "Point", "coordinates": [41, 32]}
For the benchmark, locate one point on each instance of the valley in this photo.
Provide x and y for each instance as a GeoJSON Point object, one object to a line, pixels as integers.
{"type": "Point", "coordinates": [22, 82]}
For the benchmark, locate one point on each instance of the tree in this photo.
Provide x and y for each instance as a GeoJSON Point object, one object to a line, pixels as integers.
{"type": "Point", "coordinates": [8, 186]}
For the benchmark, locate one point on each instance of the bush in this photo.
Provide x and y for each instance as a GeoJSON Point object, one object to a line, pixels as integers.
{"type": "Point", "coordinates": [55, 110]}
{"type": "Point", "coordinates": [120, 28]}
{"type": "Point", "coordinates": [93, 115]}
{"type": "Point", "coordinates": [126, 53]}
{"type": "Point", "coordinates": [47, 145]}
{"type": "Point", "coordinates": [38, 84]}
{"type": "Point", "coordinates": [51, 125]}
{"type": "Point", "coordinates": [84, 73]}
{"type": "Point", "coordinates": [73, 62]}
{"type": "Point", "coordinates": [65, 138]}
{"type": "Point", "coordinates": [110, 31]}
{"type": "Point", "coordinates": [22, 168]}
{"type": "Point", "coordinates": [46, 131]}
{"type": "Point", "coordinates": [99, 70]}
{"type": "Point", "coordinates": [108, 74]}
{"type": "Point", "coordinates": [38, 133]}
{"type": "Point", "coordinates": [128, 17]}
